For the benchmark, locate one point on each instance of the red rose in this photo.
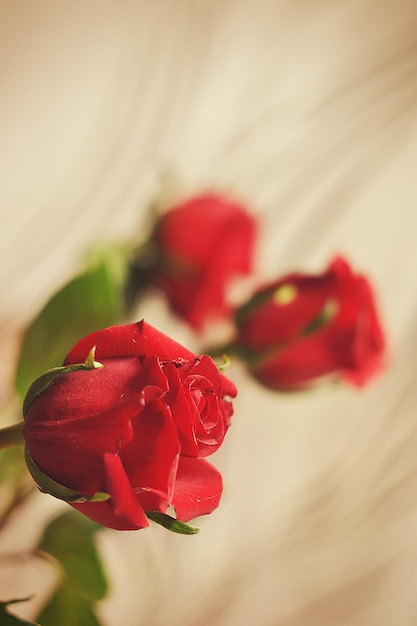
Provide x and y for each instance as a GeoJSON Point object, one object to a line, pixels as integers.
{"type": "Point", "coordinates": [135, 428]}
{"type": "Point", "coordinates": [199, 246]}
{"type": "Point", "coordinates": [302, 327]}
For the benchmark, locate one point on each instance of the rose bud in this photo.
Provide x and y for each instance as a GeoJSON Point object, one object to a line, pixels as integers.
{"type": "Point", "coordinates": [302, 327]}
{"type": "Point", "coordinates": [197, 248]}
{"type": "Point", "coordinates": [120, 430]}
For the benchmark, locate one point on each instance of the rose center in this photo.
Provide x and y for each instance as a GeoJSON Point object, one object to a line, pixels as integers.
{"type": "Point", "coordinates": [203, 408]}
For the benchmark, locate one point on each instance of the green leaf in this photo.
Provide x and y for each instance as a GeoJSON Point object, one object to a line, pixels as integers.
{"type": "Point", "coordinates": [172, 524]}
{"type": "Point", "coordinates": [70, 540]}
{"type": "Point", "coordinates": [6, 619]}
{"type": "Point", "coordinates": [68, 608]}
{"type": "Point", "coordinates": [89, 302]}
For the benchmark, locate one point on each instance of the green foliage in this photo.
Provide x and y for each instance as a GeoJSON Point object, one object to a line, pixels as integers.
{"type": "Point", "coordinates": [6, 619]}
{"type": "Point", "coordinates": [68, 608]}
{"type": "Point", "coordinates": [89, 302]}
{"type": "Point", "coordinates": [69, 539]}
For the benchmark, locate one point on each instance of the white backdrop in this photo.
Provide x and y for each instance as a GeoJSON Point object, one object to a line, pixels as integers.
{"type": "Point", "coordinates": [307, 112]}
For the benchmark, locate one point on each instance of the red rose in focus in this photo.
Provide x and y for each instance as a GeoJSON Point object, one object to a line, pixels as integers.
{"type": "Point", "coordinates": [302, 327]}
{"type": "Point", "coordinates": [200, 246]}
{"type": "Point", "coordinates": [135, 428]}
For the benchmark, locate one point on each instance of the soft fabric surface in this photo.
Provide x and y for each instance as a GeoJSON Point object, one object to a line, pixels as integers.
{"type": "Point", "coordinates": [305, 111]}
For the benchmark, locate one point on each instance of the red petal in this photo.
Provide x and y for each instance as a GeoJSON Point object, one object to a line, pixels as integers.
{"type": "Point", "coordinates": [265, 322]}
{"type": "Point", "coordinates": [151, 458]}
{"type": "Point", "coordinates": [205, 242]}
{"type": "Point", "coordinates": [196, 401]}
{"type": "Point", "coordinates": [201, 227]}
{"type": "Point", "coordinates": [123, 501]}
{"type": "Point", "coordinates": [297, 365]}
{"type": "Point", "coordinates": [351, 345]}
{"type": "Point", "coordinates": [122, 511]}
{"type": "Point", "coordinates": [198, 488]}
{"type": "Point", "coordinates": [128, 340]}
{"type": "Point", "coordinates": [71, 452]}
{"type": "Point", "coordinates": [182, 412]}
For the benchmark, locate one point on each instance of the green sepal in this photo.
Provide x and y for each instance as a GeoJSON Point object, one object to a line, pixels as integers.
{"type": "Point", "coordinates": [325, 316]}
{"type": "Point", "coordinates": [48, 378]}
{"type": "Point", "coordinates": [47, 485]}
{"type": "Point", "coordinates": [226, 362]}
{"type": "Point", "coordinates": [256, 302]}
{"type": "Point", "coordinates": [172, 524]}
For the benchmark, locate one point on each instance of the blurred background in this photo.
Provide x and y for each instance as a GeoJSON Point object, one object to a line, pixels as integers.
{"type": "Point", "coordinates": [307, 112]}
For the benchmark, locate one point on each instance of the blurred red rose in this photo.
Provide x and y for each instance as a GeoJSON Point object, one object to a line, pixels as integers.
{"type": "Point", "coordinates": [303, 327]}
{"type": "Point", "coordinates": [198, 248]}
{"type": "Point", "coordinates": [135, 428]}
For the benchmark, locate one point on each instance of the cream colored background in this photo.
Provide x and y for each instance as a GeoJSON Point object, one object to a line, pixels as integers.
{"type": "Point", "coordinates": [306, 111]}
